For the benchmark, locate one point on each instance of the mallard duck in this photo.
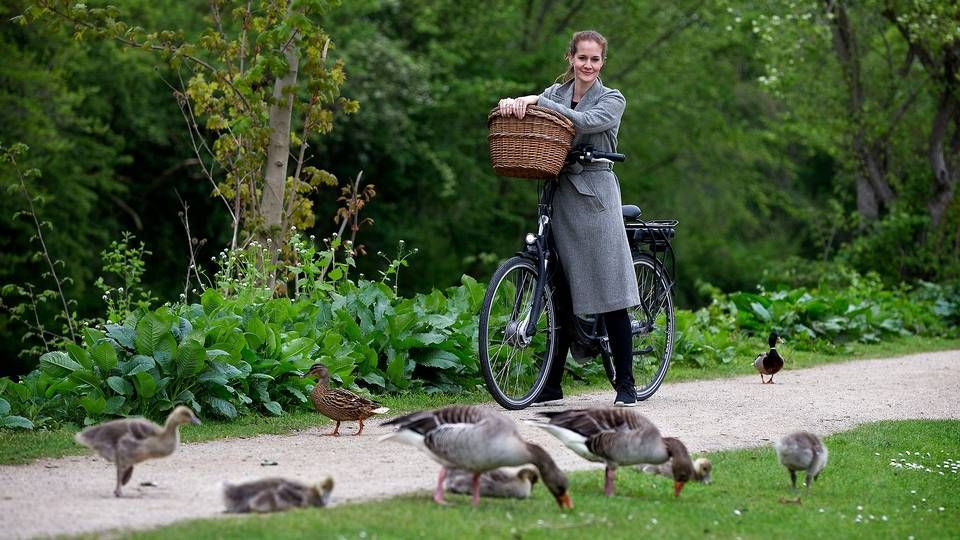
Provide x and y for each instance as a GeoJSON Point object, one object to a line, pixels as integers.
{"type": "Point", "coordinates": [129, 441]}
{"type": "Point", "coordinates": [618, 436]}
{"type": "Point", "coordinates": [802, 451]}
{"type": "Point", "coordinates": [702, 470]}
{"type": "Point", "coordinates": [275, 495]}
{"type": "Point", "coordinates": [477, 440]}
{"type": "Point", "coordinates": [339, 404]}
{"type": "Point", "coordinates": [502, 483]}
{"type": "Point", "coordinates": [770, 362]}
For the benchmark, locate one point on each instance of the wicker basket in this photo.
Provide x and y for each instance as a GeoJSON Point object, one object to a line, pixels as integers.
{"type": "Point", "coordinates": [533, 147]}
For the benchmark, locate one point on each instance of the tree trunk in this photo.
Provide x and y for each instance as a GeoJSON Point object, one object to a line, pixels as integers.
{"type": "Point", "coordinates": [944, 148]}
{"type": "Point", "coordinates": [278, 153]}
{"type": "Point", "coordinates": [867, 205]}
{"type": "Point", "coordinates": [945, 169]}
{"type": "Point", "coordinates": [873, 190]}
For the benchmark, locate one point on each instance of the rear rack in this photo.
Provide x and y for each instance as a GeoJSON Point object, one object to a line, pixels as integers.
{"type": "Point", "coordinates": [656, 233]}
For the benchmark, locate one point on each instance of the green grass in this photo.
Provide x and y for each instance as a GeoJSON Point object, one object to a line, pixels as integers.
{"type": "Point", "coordinates": [18, 447]}
{"type": "Point", "coordinates": [859, 495]}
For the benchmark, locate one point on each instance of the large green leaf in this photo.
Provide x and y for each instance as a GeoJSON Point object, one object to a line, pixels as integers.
{"type": "Point", "coordinates": [94, 404]}
{"type": "Point", "coordinates": [122, 335]}
{"type": "Point", "coordinates": [86, 376]}
{"type": "Point", "coordinates": [105, 356]}
{"type": "Point", "coordinates": [114, 404]}
{"type": "Point", "coordinates": [273, 407]}
{"type": "Point", "coordinates": [146, 384]}
{"type": "Point", "coordinates": [296, 347]}
{"type": "Point", "coordinates": [211, 299]}
{"type": "Point", "coordinates": [259, 330]}
{"type": "Point", "coordinates": [150, 331]}
{"type": "Point", "coordinates": [190, 358]}
{"type": "Point", "coordinates": [139, 364]}
{"type": "Point", "coordinates": [91, 336]}
{"type": "Point", "coordinates": [79, 354]}
{"type": "Point", "coordinates": [15, 422]}
{"type": "Point", "coordinates": [165, 352]}
{"type": "Point", "coordinates": [120, 385]}
{"type": "Point", "coordinates": [4, 407]}
{"type": "Point", "coordinates": [58, 364]}
{"type": "Point", "coordinates": [437, 358]}
{"type": "Point", "coordinates": [221, 407]}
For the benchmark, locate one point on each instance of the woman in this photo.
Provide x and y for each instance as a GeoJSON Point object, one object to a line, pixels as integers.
{"type": "Point", "coordinates": [587, 220]}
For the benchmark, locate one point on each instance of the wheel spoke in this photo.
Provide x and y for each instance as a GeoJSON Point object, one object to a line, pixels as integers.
{"type": "Point", "coordinates": [513, 367]}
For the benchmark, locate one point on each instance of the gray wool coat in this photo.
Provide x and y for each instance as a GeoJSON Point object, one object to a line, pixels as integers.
{"type": "Point", "coordinates": [587, 219]}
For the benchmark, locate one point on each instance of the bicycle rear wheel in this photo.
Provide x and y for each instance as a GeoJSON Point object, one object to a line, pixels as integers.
{"type": "Point", "coordinates": [653, 326]}
{"type": "Point", "coordinates": [514, 365]}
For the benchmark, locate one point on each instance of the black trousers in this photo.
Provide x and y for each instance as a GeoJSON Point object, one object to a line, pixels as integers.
{"type": "Point", "coordinates": [618, 330]}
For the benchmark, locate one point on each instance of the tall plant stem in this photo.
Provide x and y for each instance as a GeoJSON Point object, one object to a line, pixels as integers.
{"type": "Point", "coordinates": [43, 245]}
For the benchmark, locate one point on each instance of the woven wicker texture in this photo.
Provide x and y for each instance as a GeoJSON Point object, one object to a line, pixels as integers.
{"type": "Point", "coordinates": [532, 147]}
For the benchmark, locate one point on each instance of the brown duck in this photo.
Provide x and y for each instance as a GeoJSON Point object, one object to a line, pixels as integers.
{"type": "Point", "coordinates": [275, 495]}
{"type": "Point", "coordinates": [338, 404]}
{"type": "Point", "coordinates": [129, 441]}
{"type": "Point", "coordinates": [770, 362]}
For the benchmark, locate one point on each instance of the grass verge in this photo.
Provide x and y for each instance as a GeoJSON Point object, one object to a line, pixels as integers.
{"type": "Point", "coordinates": [17, 447]}
{"type": "Point", "coordinates": [861, 494]}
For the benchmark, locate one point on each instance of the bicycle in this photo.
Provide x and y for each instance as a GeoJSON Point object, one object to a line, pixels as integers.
{"type": "Point", "coordinates": [522, 309]}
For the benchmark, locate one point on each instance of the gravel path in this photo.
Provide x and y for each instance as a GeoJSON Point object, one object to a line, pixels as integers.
{"type": "Point", "coordinates": [74, 494]}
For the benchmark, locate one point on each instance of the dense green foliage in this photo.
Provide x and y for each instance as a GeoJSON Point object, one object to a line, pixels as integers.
{"type": "Point", "coordinates": [242, 351]}
{"type": "Point", "coordinates": [749, 124]}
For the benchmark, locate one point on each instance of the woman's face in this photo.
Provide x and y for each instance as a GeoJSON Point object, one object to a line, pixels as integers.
{"type": "Point", "coordinates": [587, 61]}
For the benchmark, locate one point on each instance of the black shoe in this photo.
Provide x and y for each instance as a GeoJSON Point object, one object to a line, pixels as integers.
{"type": "Point", "coordinates": [626, 397]}
{"type": "Point", "coordinates": [548, 398]}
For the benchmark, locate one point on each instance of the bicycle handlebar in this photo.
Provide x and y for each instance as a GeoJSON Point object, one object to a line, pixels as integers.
{"type": "Point", "coordinates": [589, 155]}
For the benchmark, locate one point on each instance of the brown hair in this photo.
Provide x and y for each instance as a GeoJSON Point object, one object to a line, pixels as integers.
{"type": "Point", "coordinates": [584, 35]}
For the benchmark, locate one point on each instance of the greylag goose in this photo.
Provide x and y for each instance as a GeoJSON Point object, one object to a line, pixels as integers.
{"type": "Point", "coordinates": [129, 441]}
{"type": "Point", "coordinates": [802, 451]}
{"type": "Point", "coordinates": [339, 404]}
{"type": "Point", "coordinates": [770, 362]}
{"type": "Point", "coordinates": [275, 495]}
{"type": "Point", "coordinates": [477, 440]}
{"type": "Point", "coordinates": [502, 483]}
{"type": "Point", "coordinates": [702, 470]}
{"type": "Point", "coordinates": [618, 436]}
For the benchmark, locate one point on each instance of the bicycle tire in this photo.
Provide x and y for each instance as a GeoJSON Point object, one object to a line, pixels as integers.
{"type": "Point", "coordinates": [653, 344]}
{"type": "Point", "coordinates": [514, 372]}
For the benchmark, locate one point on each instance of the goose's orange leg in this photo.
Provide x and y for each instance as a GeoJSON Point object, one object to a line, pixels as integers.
{"type": "Point", "coordinates": [359, 431]}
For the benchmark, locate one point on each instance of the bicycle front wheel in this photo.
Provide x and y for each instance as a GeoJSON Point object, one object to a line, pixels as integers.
{"type": "Point", "coordinates": [653, 326]}
{"type": "Point", "coordinates": [515, 365]}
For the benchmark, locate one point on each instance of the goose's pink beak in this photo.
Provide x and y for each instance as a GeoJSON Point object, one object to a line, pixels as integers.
{"type": "Point", "coordinates": [565, 502]}
{"type": "Point", "coordinates": [677, 488]}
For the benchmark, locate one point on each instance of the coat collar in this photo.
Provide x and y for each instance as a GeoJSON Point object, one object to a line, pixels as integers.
{"type": "Point", "coordinates": [591, 97]}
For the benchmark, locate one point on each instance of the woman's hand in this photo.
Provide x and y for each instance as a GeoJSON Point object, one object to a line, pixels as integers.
{"type": "Point", "coordinates": [517, 107]}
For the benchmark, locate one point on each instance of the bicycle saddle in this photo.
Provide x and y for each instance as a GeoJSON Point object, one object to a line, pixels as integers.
{"type": "Point", "coordinates": [631, 212]}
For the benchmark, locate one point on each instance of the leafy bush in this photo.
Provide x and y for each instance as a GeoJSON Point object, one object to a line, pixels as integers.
{"type": "Point", "coordinates": [240, 351]}
{"type": "Point", "coordinates": [845, 307]}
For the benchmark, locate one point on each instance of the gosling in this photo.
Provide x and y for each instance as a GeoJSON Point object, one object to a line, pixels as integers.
{"type": "Point", "coordinates": [275, 495]}
{"type": "Point", "coordinates": [802, 451]}
{"type": "Point", "coordinates": [502, 483]}
{"type": "Point", "coordinates": [129, 441]}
